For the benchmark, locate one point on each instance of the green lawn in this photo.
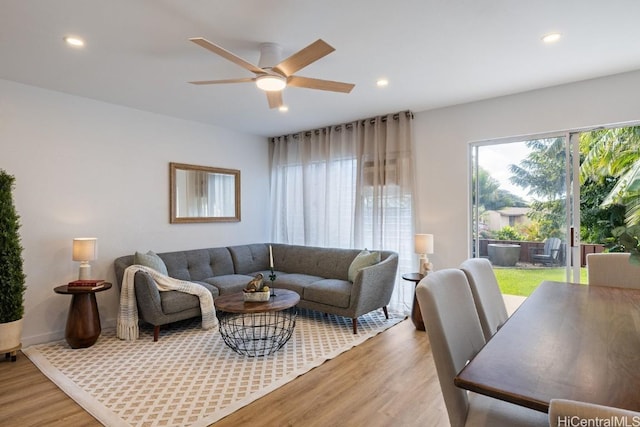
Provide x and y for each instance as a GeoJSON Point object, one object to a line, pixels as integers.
{"type": "Point", "coordinates": [522, 281]}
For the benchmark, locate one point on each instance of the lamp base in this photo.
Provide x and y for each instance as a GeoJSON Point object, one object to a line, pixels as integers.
{"type": "Point", "coordinates": [84, 273]}
{"type": "Point", "coordinates": [425, 266]}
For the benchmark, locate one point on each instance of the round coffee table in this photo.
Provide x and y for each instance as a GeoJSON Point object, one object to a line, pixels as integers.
{"type": "Point", "coordinates": [257, 328]}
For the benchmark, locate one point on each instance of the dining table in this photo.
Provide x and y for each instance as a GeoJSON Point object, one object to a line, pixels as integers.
{"type": "Point", "coordinates": [566, 341]}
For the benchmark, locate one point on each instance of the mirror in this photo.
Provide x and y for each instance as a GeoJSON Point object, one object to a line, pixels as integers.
{"type": "Point", "coordinates": [203, 194]}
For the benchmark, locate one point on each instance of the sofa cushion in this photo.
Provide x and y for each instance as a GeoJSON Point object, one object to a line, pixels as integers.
{"type": "Point", "coordinates": [362, 260]}
{"type": "Point", "coordinates": [229, 283]}
{"type": "Point", "coordinates": [175, 301]}
{"type": "Point", "coordinates": [329, 291]}
{"type": "Point", "coordinates": [198, 264]}
{"type": "Point", "coordinates": [249, 258]}
{"type": "Point", "coordinates": [151, 260]}
{"type": "Point", "coordinates": [295, 282]}
{"type": "Point", "coordinates": [328, 263]}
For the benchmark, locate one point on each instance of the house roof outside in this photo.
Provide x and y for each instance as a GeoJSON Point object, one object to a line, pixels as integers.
{"type": "Point", "coordinates": [514, 211]}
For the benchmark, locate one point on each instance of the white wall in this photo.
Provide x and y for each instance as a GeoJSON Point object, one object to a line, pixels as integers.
{"type": "Point", "coordinates": [442, 138]}
{"type": "Point", "coordinates": [85, 168]}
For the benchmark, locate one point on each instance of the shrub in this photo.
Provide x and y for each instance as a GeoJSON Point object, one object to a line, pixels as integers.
{"type": "Point", "coordinates": [508, 233]}
{"type": "Point", "coordinates": [12, 278]}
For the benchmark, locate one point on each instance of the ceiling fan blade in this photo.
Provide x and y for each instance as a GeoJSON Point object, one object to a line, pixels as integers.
{"type": "Point", "coordinates": [304, 57]}
{"type": "Point", "coordinates": [215, 82]}
{"type": "Point", "coordinates": [274, 98]}
{"type": "Point", "coordinates": [226, 54]}
{"type": "Point", "coordinates": [309, 83]}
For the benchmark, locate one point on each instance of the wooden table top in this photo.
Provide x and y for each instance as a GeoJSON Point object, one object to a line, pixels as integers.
{"type": "Point", "coordinates": [566, 341]}
{"type": "Point", "coordinates": [70, 290]}
{"type": "Point", "coordinates": [234, 303]}
{"type": "Point", "coordinates": [413, 277]}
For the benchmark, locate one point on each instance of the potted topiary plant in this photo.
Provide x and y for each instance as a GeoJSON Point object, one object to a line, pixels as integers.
{"type": "Point", "coordinates": [12, 278]}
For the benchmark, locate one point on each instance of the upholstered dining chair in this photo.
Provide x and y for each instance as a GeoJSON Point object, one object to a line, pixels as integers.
{"type": "Point", "coordinates": [455, 335]}
{"type": "Point", "coordinates": [612, 269]}
{"type": "Point", "coordinates": [564, 412]}
{"type": "Point", "coordinates": [486, 294]}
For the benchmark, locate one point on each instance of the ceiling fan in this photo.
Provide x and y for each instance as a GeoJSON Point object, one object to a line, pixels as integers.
{"type": "Point", "coordinates": [274, 74]}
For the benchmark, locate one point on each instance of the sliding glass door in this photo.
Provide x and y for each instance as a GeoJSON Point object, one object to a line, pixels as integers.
{"type": "Point", "coordinates": [540, 205]}
{"type": "Point", "coordinates": [522, 209]}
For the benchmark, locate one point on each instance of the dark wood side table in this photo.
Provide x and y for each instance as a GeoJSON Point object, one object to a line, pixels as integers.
{"type": "Point", "coordinates": [83, 321]}
{"type": "Point", "coordinates": [416, 316]}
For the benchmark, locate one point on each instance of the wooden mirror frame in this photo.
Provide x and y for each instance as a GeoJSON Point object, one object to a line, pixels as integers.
{"type": "Point", "coordinates": [173, 194]}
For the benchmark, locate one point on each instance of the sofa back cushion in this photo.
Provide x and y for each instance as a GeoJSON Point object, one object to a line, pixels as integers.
{"type": "Point", "coordinates": [198, 264]}
{"type": "Point", "coordinates": [192, 265]}
{"type": "Point", "coordinates": [329, 263]}
{"type": "Point", "coordinates": [250, 258]}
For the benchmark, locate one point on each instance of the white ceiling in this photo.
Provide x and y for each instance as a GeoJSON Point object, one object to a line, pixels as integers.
{"type": "Point", "coordinates": [435, 53]}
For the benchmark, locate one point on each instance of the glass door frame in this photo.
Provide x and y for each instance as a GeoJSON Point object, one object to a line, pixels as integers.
{"type": "Point", "coordinates": [572, 187]}
{"type": "Point", "coordinates": [572, 194]}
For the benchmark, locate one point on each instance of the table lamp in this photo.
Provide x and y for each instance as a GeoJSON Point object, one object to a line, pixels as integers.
{"type": "Point", "coordinates": [424, 246]}
{"type": "Point", "coordinates": [85, 249]}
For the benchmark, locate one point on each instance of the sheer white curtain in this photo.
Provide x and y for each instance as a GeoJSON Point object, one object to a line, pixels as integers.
{"type": "Point", "coordinates": [348, 186]}
{"type": "Point", "coordinates": [221, 197]}
{"type": "Point", "coordinates": [197, 188]}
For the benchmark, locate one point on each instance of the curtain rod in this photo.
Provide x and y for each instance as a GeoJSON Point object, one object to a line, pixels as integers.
{"type": "Point", "coordinates": [349, 125]}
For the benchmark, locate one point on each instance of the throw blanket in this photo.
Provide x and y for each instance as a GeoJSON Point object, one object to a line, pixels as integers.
{"type": "Point", "coordinates": [128, 313]}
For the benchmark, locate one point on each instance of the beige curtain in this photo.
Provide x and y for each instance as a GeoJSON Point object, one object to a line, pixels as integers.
{"type": "Point", "coordinates": [348, 186]}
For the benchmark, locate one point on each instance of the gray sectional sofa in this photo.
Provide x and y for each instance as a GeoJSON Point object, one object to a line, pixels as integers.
{"type": "Point", "coordinates": [319, 275]}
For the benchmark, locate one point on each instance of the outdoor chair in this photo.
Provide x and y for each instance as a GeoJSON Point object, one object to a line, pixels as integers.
{"type": "Point", "coordinates": [455, 335]}
{"type": "Point", "coordinates": [550, 252]}
{"type": "Point", "coordinates": [486, 294]}
{"type": "Point", "coordinates": [612, 269]}
{"type": "Point", "coordinates": [564, 412]}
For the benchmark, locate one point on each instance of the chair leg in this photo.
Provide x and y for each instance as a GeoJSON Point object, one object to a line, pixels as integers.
{"type": "Point", "coordinates": [386, 312]}
{"type": "Point", "coordinates": [156, 332]}
{"type": "Point", "coordinates": [355, 325]}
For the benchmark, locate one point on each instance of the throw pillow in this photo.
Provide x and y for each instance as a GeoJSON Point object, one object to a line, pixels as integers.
{"type": "Point", "coordinates": [362, 260]}
{"type": "Point", "coordinates": [151, 260]}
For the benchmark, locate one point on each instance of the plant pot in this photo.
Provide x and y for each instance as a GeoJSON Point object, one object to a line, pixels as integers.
{"type": "Point", "coordinates": [10, 335]}
{"type": "Point", "coordinates": [503, 254]}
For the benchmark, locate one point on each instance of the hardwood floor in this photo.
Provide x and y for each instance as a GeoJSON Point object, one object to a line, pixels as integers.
{"type": "Point", "coordinates": [389, 380]}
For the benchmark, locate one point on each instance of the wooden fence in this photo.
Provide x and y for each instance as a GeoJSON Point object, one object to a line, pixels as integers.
{"type": "Point", "coordinates": [527, 248]}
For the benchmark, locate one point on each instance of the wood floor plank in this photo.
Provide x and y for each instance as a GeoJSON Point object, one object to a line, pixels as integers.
{"type": "Point", "coordinates": [388, 380]}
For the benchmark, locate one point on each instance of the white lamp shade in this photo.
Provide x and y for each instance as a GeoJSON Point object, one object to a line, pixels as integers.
{"type": "Point", "coordinates": [85, 249]}
{"type": "Point", "coordinates": [424, 243]}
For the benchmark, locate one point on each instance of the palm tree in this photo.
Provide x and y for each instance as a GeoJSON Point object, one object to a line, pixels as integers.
{"type": "Point", "coordinates": [614, 153]}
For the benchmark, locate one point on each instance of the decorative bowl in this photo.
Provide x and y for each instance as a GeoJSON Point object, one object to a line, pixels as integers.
{"type": "Point", "coordinates": [257, 296]}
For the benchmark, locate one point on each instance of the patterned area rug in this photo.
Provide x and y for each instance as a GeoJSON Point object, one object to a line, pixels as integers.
{"type": "Point", "coordinates": [190, 377]}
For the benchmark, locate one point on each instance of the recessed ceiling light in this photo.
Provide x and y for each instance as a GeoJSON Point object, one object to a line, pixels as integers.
{"type": "Point", "coordinates": [551, 37]}
{"type": "Point", "coordinates": [74, 41]}
{"type": "Point", "coordinates": [283, 108]}
{"type": "Point", "coordinates": [382, 82]}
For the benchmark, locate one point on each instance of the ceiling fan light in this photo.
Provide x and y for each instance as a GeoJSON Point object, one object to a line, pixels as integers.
{"type": "Point", "coordinates": [271, 83]}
